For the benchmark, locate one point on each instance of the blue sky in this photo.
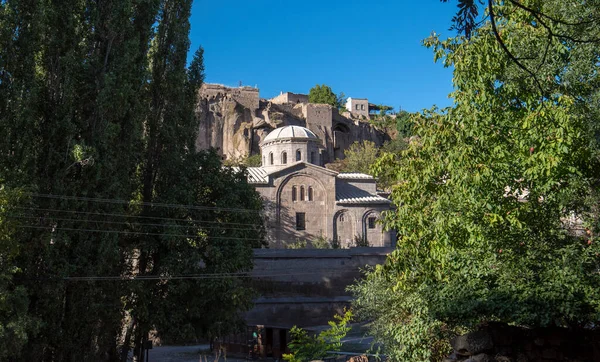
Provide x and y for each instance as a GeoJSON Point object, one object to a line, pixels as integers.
{"type": "Point", "coordinates": [366, 49]}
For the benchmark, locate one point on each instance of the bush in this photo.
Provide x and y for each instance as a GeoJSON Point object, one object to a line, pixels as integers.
{"type": "Point", "coordinates": [360, 242]}
{"type": "Point", "coordinates": [321, 243]}
{"type": "Point", "coordinates": [304, 348]}
{"type": "Point", "coordinates": [298, 244]}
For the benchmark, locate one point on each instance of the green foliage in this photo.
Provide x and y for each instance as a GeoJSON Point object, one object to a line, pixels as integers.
{"type": "Point", "coordinates": [298, 244]}
{"type": "Point", "coordinates": [360, 156]}
{"type": "Point", "coordinates": [305, 347]}
{"type": "Point", "coordinates": [97, 126]}
{"type": "Point", "coordinates": [340, 102]}
{"type": "Point", "coordinates": [398, 126]}
{"type": "Point", "coordinates": [404, 124]}
{"type": "Point", "coordinates": [253, 161]}
{"type": "Point", "coordinates": [323, 94]}
{"type": "Point", "coordinates": [246, 161]}
{"type": "Point", "coordinates": [321, 243]}
{"type": "Point", "coordinates": [497, 196]}
{"type": "Point", "coordinates": [360, 241]}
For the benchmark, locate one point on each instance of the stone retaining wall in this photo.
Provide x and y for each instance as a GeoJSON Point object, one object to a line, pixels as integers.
{"type": "Point", "coordinates": [306, 287]}
{"type": "Point", "coordinates": [503, 343]}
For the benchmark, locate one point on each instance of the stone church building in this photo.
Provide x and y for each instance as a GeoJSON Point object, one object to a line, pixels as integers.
{"type": "Point", "coordinates": [304, 200]}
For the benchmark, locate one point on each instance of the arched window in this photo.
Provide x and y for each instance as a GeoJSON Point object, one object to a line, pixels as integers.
{"type": "Point", "coordinates": [301, 193]}
{"type": "Point", "coordinates": [283, 158]}
{"type": "Point", "coordinates": [312, 157]}
{"type": "Point", "coordinates": [310, 193]}
{"type": "Point", "coordinates": [271, 158]}
{"type": "Point", "coordinates": [294, 193]}
{"type": "Point", "coordinates": [264, 161]}
{"type": "Point", "coordinates": [298, 155]}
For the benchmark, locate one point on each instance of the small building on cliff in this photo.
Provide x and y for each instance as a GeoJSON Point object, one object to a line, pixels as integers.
{"type": "Point", "coordinates": [305, 201]}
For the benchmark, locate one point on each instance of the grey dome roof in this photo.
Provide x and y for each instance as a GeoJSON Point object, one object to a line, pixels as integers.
{"type": "Point", "coordinates": [290, 132]}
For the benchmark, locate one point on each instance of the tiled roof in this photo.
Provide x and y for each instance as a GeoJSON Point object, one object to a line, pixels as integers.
{"type": "Point", "coordinates": [256, 175]}
{"type": "Point", "coordinates": [345, 194]}
{"type": "Point", "coordinates": [354, 176]}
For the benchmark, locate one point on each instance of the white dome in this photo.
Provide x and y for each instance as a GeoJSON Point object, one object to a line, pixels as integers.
{"type": "Point", "coordinates": [290, 132]}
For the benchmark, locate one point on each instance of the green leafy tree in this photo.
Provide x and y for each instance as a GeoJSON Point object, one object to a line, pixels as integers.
{"type": "Point", "coordinates": [360, 156]}
{"type": "Point", "coordinates": [497, 197]}
{"type": "Point", "coordinates": [305, 347]}
{"type": "Point", "coordinates": [322, 94]}
{"type": "Point", "coordinates": [97, 125]}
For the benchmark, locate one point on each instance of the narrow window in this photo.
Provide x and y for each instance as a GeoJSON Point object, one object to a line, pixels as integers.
{"type": "Point", "coordinates": [298, 155]}
{"type": "Point", "coordinates": [357, 107]}
{"type": "Point", "coordinates": [300, 221]}
{"type": "Point", "coordinates": [310, 193]}
{"type": "Point", "coordinates": [294, 193]}
{"type": "Point", "coordinates": [271, 158]}
{"type": "Point", "coordinates": [362, 107]}
{"type": "Point", "coordinates": [312, 157]}
{"type": "Point", "coordinates": [372, 222]}
{"type": "Point", "coordinates": [283, 157]}
{"type": "Point", "coordinates": [264, 161]}
{"type": "Point", "coordinates": [301, 193]}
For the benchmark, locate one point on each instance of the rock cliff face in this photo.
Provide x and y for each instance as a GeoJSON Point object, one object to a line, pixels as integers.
{"type": "Point", "coordinates": [235, 121]}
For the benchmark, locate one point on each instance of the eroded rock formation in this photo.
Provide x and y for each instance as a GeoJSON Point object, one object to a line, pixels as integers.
{"type": "Point", "coordinates": [236, 120]}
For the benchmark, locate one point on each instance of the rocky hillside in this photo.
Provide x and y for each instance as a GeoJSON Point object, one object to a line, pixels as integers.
{"type": "Point", "coordinates": [235, 121]}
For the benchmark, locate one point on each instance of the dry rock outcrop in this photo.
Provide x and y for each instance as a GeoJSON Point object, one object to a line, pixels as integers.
{"type": "Point", "coordinates": [235, 121]}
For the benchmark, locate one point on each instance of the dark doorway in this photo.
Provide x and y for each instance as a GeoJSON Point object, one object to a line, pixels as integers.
{"type": "Point", "coordinates": [282, 341]}
{"type": "Point", "coordinates": [269, 342]}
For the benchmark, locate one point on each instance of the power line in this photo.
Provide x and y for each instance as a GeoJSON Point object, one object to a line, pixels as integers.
{"type": "Point", "coordinates": [139, 203]}
{"type": "Point", "coordinates": [130, 216]}
{"type": "Point", "coordinates": [59, 228]}
{"type": "Point", "coordinates": [51, 218]}
{"type": "Point", "coordinates": [188, 276]}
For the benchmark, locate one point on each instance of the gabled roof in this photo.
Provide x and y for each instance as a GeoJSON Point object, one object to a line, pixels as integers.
{"type": "Point", "coordinates": [348, 194]}
{"type": "Point", "coordinates": [256, 175]}
{"type": "Point", "coordinates": [306, 165]}
{"type": "Point", "coordinates": [354, 176]}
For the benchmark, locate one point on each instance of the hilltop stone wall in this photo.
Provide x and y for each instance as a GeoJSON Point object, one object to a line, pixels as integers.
{"type": "Point", "coordinates": [246, 96]}
{"type": "Point", "coordinates": [236, 120]}
{"type": "Point", "coordinates": [289, 97]}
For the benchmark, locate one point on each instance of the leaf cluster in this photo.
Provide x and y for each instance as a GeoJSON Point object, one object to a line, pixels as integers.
{"type": "Point", "coordinates": [497, 196]}
{"type": "Point", "coordinates": [304, 347]}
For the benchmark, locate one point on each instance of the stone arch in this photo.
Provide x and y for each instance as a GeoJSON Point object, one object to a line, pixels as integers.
{"type": "Point", "coordinates": [286, 180]}
{"type": "Point", "coordinates": [373, 236]}
{"type": "Point", "coordinates": [344, 227]}
{"type": "Point", "coordinates": [340, 127]}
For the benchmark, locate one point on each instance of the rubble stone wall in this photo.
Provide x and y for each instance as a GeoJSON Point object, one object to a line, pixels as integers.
{"type": "Point", "coordinates": [501, 342]}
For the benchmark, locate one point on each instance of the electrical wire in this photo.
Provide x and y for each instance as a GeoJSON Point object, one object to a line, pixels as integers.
{"type": "Point", "coordinates": [191, 276]}
{"type": "Point", "coordinates": [59, 228]}
{"type": "Point", "coordinates": [130, 216]}
{"type": "Point", "coordinates": [139, 203]}
{"type": "Point", "coordinates": [51, 218]}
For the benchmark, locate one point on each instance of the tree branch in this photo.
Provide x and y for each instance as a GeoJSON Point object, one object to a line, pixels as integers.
{"type": "Point", "coordinates": [506, 50]}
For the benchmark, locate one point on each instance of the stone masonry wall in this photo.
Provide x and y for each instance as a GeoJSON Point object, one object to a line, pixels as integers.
{"type": "Point", "coordinates": [289, 97]}
{"type": "Point", "coordinates": [306, 287]}
{"type": "Point", "coordinates": [504, 343]}
{"type": "Point", "coordinates": [246, 96]}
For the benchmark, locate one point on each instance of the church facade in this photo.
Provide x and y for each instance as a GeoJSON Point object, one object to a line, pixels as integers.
{"type": "Point", "coordinates": [305, 201]}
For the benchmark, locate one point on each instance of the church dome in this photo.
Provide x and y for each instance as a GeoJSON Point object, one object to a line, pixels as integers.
{"type": "Point", "coordinates": [289, 132]}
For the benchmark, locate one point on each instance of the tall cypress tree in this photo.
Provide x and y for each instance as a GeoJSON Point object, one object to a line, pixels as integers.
{"type": "Point", "coordinates": [97, 108]}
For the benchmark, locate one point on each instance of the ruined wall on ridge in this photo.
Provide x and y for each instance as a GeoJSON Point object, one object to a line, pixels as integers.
{"type": "Point", "coordinates": [235, 121]}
